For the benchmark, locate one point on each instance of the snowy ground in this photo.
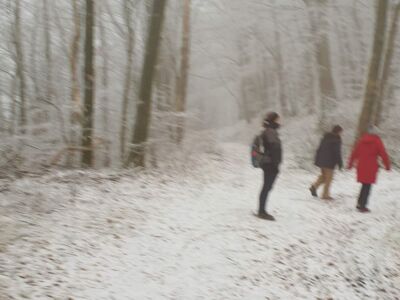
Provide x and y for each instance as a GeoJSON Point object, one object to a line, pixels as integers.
{"type": "Point", "coordinates": [192, 236]}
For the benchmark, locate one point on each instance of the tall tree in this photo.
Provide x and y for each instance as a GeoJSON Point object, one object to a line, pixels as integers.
{"type": "Point", "coordinates": [76, 110]}
{"type": "Point", "coordinates": [375, 67]}
{"type": "Point", "coordinates": [2, 116]}
{"type": "Point", "coordinates": [243, 101]}
{"type": "Point", "coordinates": [319, 28]}
{"type": "Point", "coordinates": [89, 75]}
{"type": "Point", "coordinates": [129, 48]}
{"type": "Point", "coordinates": [360, 52]}
{"type": "Point", "coordinates": [283, 99]}
{"type": "Point", "coordinates": [182, 81]}
{"type": "Point", "coordinates": [105, 90]}
{"type": "Point", "coordinates": [74, 61]}
{"type": "Point", "coordinates": [347, 66]}
{"type": "Point", "coordinates": [143, 115]}
{"type": "Point", "coordinates": [33, 59]}
{"type": "Point", "coordinates": [390, 50]}
{"type": "Point", "coordinates": [48, 50]}
{"type": "Point", "coordinates": [20, 68]}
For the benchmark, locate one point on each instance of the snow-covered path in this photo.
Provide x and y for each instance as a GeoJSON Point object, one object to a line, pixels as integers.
{"type": "Point", "coordinates": [193, 236]}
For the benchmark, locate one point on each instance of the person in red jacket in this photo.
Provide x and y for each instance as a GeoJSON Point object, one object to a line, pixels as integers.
{"type": "Point", "coordinates": [365, 155]}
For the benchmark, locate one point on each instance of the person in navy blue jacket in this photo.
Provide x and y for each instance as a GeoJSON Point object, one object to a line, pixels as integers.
{"type": "Point", "coordinates": [328, 156]}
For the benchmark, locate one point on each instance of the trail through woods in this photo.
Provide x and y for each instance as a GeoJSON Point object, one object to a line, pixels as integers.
{"type": "Point", "coordinates": [191, 235]}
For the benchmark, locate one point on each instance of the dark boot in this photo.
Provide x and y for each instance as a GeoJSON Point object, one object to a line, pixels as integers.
{"type": "Point", "coordinates": [266, 216]}
{"type": "Point", "coordinates": [363, 198]}
{"type": "Point", "coordinates": [313, 191]}
{"type": "Point", "coordinates": [363, 209]}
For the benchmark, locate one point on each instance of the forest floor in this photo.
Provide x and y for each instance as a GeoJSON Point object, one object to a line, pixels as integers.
{"type": "Point", "coordinates": [192, 235]}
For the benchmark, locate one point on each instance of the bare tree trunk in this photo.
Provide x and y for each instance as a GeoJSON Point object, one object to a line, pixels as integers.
{"type": "Point", "coordinates": [243, 100]}
{"type": "Point", "coordinates": [373, 84]}
{"type": "Point", "coordinates": [76, 111]}
{"type": "Point", "coordinates": [326, 81]}
{"type": "Point", "coordinates": [128, 5]}
{"type": "Point", "coordinates": [280, 67]}
{"type": "Point", "coordinates": [87, 122]}
{"type": "Point", "coordinates": [308, 80]}
{"type": "Point", "coordinates": [182, 81]}
{"type": "Point", "coordinates": [313, 86]}
{"type": "Point", "coordinates": [13, 117]}
{"type": "Point", "coordinates": [347, 65]}
{"type": "Point", "coordinates": [143, 116]}
{"type": "Point", "coordinates": [105, 99]}
{"type": "Point", "coordinates": [2, 116]}
{"type": "Point", "coordinates": [48, 54]}
{"type": "Point", "coordinates": [20, 67]}
{"type": "Point", "coordinates": [319, 26]}
{"type": "Point", "coordinates": [74, 63]}
{"type": "Point", "coordinates": [383, 91]}
{"type": "Point", "coordinates": [361, 54]}
{"type": "Point", "coordinates": [33, 63]}
{"type": "Point", "coordinates": [292, 78]}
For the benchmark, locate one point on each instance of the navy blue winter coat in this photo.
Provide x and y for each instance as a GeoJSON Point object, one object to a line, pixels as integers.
{"type": "Point", "coordinates": [329, 153]}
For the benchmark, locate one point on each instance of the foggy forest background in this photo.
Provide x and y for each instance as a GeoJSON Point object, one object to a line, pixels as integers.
{"type": "Point", "coordinates": [136, 83]}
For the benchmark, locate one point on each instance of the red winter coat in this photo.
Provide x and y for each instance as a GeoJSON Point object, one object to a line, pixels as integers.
{"type": "Point", "coordinates": [366, 154]}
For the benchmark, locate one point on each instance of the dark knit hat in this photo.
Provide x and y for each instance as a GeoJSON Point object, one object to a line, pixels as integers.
{"type": "Point", "coordinates": [271, 117]}
{"type": "Point", "coordinates": [337, 129]}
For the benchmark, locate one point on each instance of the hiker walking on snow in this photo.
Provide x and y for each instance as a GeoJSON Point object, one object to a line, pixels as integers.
{"type": "Point", "coordinates": [365, 155]}
{"type": "Point", "coordinates": [272, 158]}
{"type": "Point", "coordinates": [329, 155]}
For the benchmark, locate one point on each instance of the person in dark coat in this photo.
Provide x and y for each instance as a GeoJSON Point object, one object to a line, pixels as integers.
{"type": "Point", "coordinates": [328, 156]}
{"type": "Point", "coordinates": [365, 154]}
{"type": "Point", "coordinates": [271, 161]}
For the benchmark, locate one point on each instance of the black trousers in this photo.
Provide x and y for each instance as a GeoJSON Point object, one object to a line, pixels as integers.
{"type": "Point", "coordinates": [364, 194]}
{"type": "Point", "coordinates": [270, 174]}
